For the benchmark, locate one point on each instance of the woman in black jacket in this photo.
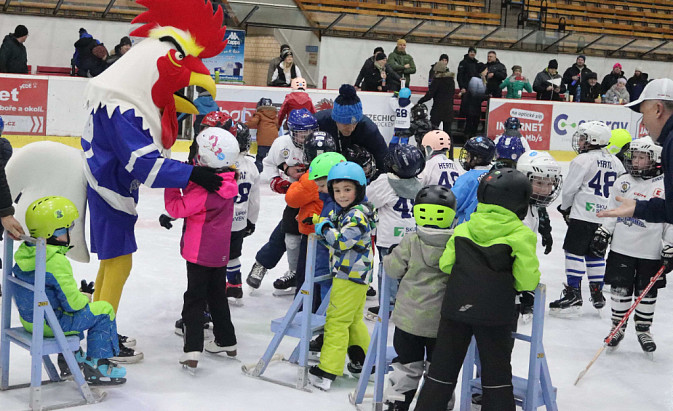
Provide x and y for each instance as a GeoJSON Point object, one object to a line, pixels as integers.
{"type": "Point", "coordinates": [441, 93]}
{"type": "Point", "coordinates": [380, 77]}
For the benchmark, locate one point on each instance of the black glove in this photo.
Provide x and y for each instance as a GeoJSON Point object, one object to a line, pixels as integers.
{"type": "Point", "coordinates": [249, 229]}
{"type": "Point", "coordinates": [565, 214]}
{"type": "Point", "coordinates": [86, 288]}
{"type": "Point", "coordinates": [206, 178]}
{"type": "Point", "coordinates": [308, 220]}
{"type": "Point", "coordinates": [599, 244]}
{"type": "Point", "coordinates": [544, 228]}
{"type": "Point", "coordinates": [165, 221]}
{"type": "Point", "coordinates": [667, 258]}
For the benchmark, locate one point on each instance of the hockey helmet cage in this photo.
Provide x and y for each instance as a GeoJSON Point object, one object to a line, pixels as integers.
{"type": "Point", "coordinates": [545, 176]}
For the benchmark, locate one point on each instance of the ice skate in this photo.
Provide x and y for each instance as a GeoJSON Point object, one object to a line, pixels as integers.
{"type": "Point", "coordinates": [127, 355]}
{"type": "Point", "coordinates": [100, 371]}
{"type": "Point", "coordinates": [190, 360]}
{"type": "Point", "coordinates": [256, 275]}
{"type": "Point", "coordinates": [357, 359]}
{"type": "Point", "coordinates": [214, 347]}
{"type": "Point", "coordinates": [179, 330]}
{"type": "Point", "coordinates": [619, 336]}
{"type": "Point", "coordinates": [526, 314]}
{"type": "Point", "coordinates": [597, 298]}
{"type": "Point", "coordinates": [646, 341]}
{"type": "Point", "coordinates": [285, 285]}
{"type": "Point", "coordinates": [569, 305]}
{"type": "Point", "coordinates": [371, 293]}
{"type": "Point", "coordinates": [64, 370]}
{"type": "Point", "coordinates": [320, 379]}
{"type": "Point", "coordinates": [128, 342]}
{"type": "Point", "coordinates": [235, 294]}
{"type": "Point", "coordinates": [372, 314]}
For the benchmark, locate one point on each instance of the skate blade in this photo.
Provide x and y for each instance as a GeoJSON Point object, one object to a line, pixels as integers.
{"type": "Point", "coordinates": [371, 316]}
{"type": "Point", "coordinates": [649, 355]}
{"type": "Point", "coordinates": [105, 382]}
{"type": "Point", "coordinates": [190, 366]}
{"type": "Point", "coordinates": [610, 350]}
{"type": "Point", "coordinates": [566, 313]}
{"type": "Point", "coordinates": [128, 360]}
{"type": "Point", "coordinates": [236, 302]}
{"type": "Point", "coordinates": [283, 293]}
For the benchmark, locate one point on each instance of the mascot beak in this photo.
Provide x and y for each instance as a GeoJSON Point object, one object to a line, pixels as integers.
{"type": "Point", "coordinates": [199, 76]}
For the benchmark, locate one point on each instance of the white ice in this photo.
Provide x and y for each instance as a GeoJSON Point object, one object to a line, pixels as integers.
{"type": "Point", "coordinates": [152, 301]}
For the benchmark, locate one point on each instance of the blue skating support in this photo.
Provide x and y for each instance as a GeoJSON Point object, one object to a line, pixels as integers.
{"type": "Point", "coordinates": [529, 393]}
{"type": "Point", "coordinates": [39, 346]}
{"type": "Point", "coordinates": [302, 326]}
{"type": "Point", "coordinates": [378, 352]}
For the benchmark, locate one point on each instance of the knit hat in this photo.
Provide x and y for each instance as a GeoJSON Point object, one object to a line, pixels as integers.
{"type": "Point", "coordinates": [553, 64]}
{"type": "Point", "coordinates": [515, 68]}
{"type": "Point", "coordinates": [20, 31]}
{"type": "Point", "coordinates": [284, 47]}
{"type": "Point", "coordinates": [639, 68]}
{"type": "Point", "coordinates": [380, 56]}
{"type": "Point", "coordinates": [285, 53]}
{"type": "Point", "coordinates": [617, 65]}
{"type": "Point", "coordinates": [471, 49]}
{"type": "Point", "coordinates": [347, 106]}
{"type": "Point", "coordinates": [444, 57]}
{"type": "Point", "coordinates": [378, 50]}
{"type": "Point", "coordinates": [401, 42]}
{"type": "Point", "coordinates": [591, 75]}
{"type": "Point", "coordinates": [125, 41]}
{"type": "Point", "coordinates": [583, 57]}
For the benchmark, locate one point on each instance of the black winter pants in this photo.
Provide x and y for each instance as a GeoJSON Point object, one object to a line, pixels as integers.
{"type": "Point", "coordinates": [453, 339]}
{"type": "Point", "coordinates": [206, 285]}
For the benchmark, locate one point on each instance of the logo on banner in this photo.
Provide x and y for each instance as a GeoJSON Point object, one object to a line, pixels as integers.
{"type": "Point", "coordinates": [563, 126]}
{"type": "Point", "coordinates": [238, 110]}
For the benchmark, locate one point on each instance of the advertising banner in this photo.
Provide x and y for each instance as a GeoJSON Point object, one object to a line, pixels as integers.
{"type": "Point", "coordinates": [23, 105]}
{"type": "Point", "coordinates": [227, 67]}
{"type": "Point", "coordinates": [551, 125]}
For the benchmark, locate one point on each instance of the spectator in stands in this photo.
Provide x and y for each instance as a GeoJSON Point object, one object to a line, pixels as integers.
{"type": "Point", "coordinates": [543, 86]}
{"type": "Point", "coordinates": [591, 88]}
{"type": "Point", "coordinates": [350, 127]}
{"type": "Point", "coordinates": [617, 93]}
{"type": "Point", "coordinates": [573, 76]}
{"type": "Point", "coordinates": [516, 83]}
{"type": "Point", "coordinates": [13, 57]}
{"type": "Point", "coordinates": [431, 74]}
{"type": "Point", "coordinates": [476, 94]}
{"type": "Point", "coordinates": [441, 92]}
{"type": "Point", "coordinates": [90, 55]}
{"type": "Point", "coordinates": [285, 71]}
{"type": "Point", "coordinates": [401, 62]}
{"type": "Point", "coordinates": [497, 72]}
{"type": "Point", "coordinates": [273, 64]}
{"type": "Point", "coordinates": [367, 67]}
{"type": "Point", "coordinates": [611, 78]}
{"type": "Point", "coordinates": [380, 76]}
{"type": "Point", "coordinates": [636, 84]}
{"type": "Point", "coordinates": [120, 49]}
{"type": "Point", "coordinates": [467, 69]}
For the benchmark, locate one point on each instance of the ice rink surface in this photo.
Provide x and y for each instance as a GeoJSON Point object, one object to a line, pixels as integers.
{"type": "Point", "coordinates": [152, 301]}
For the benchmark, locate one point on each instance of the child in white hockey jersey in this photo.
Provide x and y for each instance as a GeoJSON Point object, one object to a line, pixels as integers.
{"type": "Point", "coordinates": [246, 208]}
{"type": "Point", "coordinates": [636, 247]}
{"type": "Point", "coordinates": [393, 196]}
{"type": "Point", "coordinates": [475, 157]}
{"type": "Point", "coordinates": [402, 108]}
{"type": "Point", "coordinates": [439, 169]}
{"type": "Point", "coordinates": [586, 190]}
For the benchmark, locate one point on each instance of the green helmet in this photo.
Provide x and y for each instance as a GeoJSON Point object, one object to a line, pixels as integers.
{"type": "Point", "coordinates": [435, 206]}
{"type": "Point", "coordinates": [620, 137]}
{"type": "Point", "coordinates": [321, 165]}
{"type": "Point", "coordinates": [48, 214]}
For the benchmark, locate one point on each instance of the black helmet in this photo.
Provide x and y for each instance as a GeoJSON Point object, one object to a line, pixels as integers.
{"type": "Point", "coordinates": [264, 102]}
{"type": "Point", "coordinates": [507, 188]}
{"type": "Point", "coordinates": [435, 206]}
{"type": "Point", "coordinates": [241, 132]}
{"type": "Point", "coordinates": [316, 143]}
{"type": "Point", "coordinates": [363, 157]}
{"type": "Point", "coordinates": [405, 161]}
{"type": "Point", "coordinates": [419, 111]}
{"type": "Point", "coordinates": [481, 151]}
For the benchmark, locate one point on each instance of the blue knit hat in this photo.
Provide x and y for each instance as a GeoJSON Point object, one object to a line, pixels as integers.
{"type": "Point", "coordinates": [347, 106]}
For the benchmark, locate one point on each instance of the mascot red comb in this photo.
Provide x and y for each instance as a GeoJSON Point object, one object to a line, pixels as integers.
{"type": "Point", "coordinates": [133, 124]}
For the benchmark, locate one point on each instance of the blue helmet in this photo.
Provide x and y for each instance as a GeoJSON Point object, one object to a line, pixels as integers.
{"type": "Point", "coordinates": [2, 125]}
{"type": "Point", "coordinates": [405, 161]}
{"type": "Point", "coordinates": [512, 123]}
{"type": "Point", "coordinates": [301, 123]}
{"type": "Point", "coordinates": [509, 148]}
{"type": "Point", "coordinates": [351, 171]}
{"type": "Point", "coordinates": [477, 151]}
{"type": "Point", "coordinates": [404, 93]}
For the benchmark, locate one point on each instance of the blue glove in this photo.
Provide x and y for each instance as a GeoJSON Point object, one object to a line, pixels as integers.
{"type": "Point", "coordinates": [323, 225]}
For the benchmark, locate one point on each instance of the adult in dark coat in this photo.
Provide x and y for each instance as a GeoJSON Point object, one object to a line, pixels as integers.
{"type": "Point", "coordinates": [431, 74]}
{"type": "Point", "coordinates": [367, 67]}
{"type": "Point", "coordinates": [349, 126]}
{"type": "Point", "coordinates": [13, 57]}
{"type": "Point", "coordinates": [574, 75]}
{"type": "Point", "coordinates": [467, 69]}
{"type": "Point", "coordinates": [612, 77]}
{"type": "Point", "coordinates": [636, 84]}
{"type": "Point", "coordinates": [91, 55]}
{"type": "Point", "coordinates": [441, 93]}
{"type": "Point", "coordinates": [591, 88]}
{"type": "Point", "coordinates": [544, 88]}
{"type": "Point", "coordinates": [497, 72]}
{"type": "Point", "coordinates": [380, 76]}
{"type": "Point", "coordinates": [273, 64]}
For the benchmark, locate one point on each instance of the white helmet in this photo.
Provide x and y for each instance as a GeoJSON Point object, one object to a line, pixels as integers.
{"type": "Point", "coordinates": [544, 174]}
{"type": "Point", "coordinates": [644, 145]}
{"type": "Point", "coordinates": [217, 148]}
{"type": "Point", "coordinates": [591, 133]}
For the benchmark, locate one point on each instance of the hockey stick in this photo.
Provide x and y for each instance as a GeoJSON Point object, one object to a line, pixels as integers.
{"type": "Point", "coordinates": [624, 319]}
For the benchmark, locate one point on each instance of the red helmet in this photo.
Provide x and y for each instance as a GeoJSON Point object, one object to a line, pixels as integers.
{"type": "Point", "coordinates": [214, 119]}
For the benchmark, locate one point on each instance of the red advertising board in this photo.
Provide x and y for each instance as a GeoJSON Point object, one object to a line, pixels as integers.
{"type": "Point", "coordinates": [238, 110]}
{"type": "Point", "coordinates": [536, 121]}
{"type": "Point", "coordinates": [23, 105]}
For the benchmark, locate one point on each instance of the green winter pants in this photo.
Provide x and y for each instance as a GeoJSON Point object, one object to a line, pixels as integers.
{"type": "Point", "coordinates": [344, 326]}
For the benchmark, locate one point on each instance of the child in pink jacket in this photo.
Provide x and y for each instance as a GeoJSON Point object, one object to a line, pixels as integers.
{"type": "Point", "coordinates": [205, 245]}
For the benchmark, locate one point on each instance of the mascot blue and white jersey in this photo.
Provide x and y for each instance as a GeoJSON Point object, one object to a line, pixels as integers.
{"type": "Point", "coordinates": [246, 204]}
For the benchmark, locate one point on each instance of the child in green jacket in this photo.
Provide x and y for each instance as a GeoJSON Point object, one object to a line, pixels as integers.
{"type": "Point", "coordinates": [489, 258]}
{"type": "Point", "coordinates": [516, 83]}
